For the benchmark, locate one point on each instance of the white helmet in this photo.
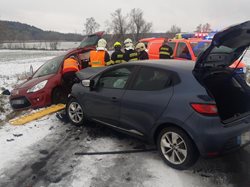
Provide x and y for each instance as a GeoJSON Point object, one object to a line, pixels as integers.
{"type": "Point", "coordinates": [101, 43]}
{"type": "Point", "coordinates": [128, 43]}
{"type": "Point", "coordinates": [140, 47]}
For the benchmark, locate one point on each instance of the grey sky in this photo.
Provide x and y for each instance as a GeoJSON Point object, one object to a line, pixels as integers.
{"type": "Point", "coordinates": [70, 15]}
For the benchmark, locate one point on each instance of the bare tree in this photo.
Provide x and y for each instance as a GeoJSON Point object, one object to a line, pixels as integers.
{"type": "Point", "coordinates": [54, 45]}
{"type": "Point", "coordinates": [1, 35]}
{"type": "Point", "coordinates": [39, 45]}
{"type": "Point", "coordinates": [9, 45]}
{"type": "Point", "coordinates": [206, 27]}
{"type": "Point", "coordinates": [174, 29]}
{"type": "Point", "coordinates": [199, 28]}
{"type": "Point", "coordinates": [91, 26]}
{"type": "Point", "coordinates": [203, 28]}
{"type": "Point", "coordinates": [118, 24]}
{"type": "Point", "coordinates": [45, 45]}
{"type": "Point", "coordinates": [138, 26]}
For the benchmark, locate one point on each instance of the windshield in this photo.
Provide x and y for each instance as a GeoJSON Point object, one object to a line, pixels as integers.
{"type": "Point", "coordinates": [89, 41]}
{"type": "Point", "coordinates": [199, 47]}
{"type": "Point", "coordinates": [50, 67]}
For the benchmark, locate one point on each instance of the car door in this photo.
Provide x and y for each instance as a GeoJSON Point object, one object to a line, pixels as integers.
{"type": "Point", "coordinates": [145, 99]}
{"type": "Point", "coordinates": [103, 103]}
{"type": "Point", "coordinates": [183, 52]}
{"type": "Point", "coordinates": [153, 49]}
{"type": "Point", "coordinates": [173, 46]}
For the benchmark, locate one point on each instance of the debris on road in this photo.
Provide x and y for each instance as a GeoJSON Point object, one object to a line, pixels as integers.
{"type": "Point", "coordinates": [17, 135]}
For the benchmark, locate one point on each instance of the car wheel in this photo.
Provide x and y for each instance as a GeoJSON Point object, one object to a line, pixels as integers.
{"type": "Point", "coordinates": [176, 148]}
{"type": "Point", "coordinates": [75, 112]}
{"type": "Point", "coordinates": [58, 96]}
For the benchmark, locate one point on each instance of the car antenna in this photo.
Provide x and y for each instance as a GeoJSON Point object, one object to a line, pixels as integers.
{"type": "Point", "coordinates": [242, 56]}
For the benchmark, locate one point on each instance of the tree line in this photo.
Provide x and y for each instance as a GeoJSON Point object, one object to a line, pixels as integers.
{"type": "Point", "coordinates": [132, 25]}
{"type": "Point", "coordinates": [117, 28]}
{"type": "Point", "coordinates": [120, 25]}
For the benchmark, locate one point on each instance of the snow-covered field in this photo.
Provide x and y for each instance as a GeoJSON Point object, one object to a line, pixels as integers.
{"type": "Point", "coordinates": [41, 153]}
{"type": "Point", "coordinates": [39, 45]}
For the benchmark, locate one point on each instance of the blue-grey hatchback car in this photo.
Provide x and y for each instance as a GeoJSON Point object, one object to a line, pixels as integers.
{"type": "Point", "coordinates": [187, 109]}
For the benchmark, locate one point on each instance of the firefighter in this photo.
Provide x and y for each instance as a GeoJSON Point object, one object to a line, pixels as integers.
{"type": "Point", "coordinates": [165, 51]}
{"type": "Point", "coordinates": [141, 49]}
{"type": "Point", "coordinates": [117, 56]}
{"type": "Point", "coordinates": [130, 54]}
{"type": "Point", "coordinates": [70, 67]}
{"type": "Point", "coordinates": [99, 57]}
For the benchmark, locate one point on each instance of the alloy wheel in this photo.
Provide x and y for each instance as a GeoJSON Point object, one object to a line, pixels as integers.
{"type": "Point", "coordinates": [75, 112]}
{"type": "Point", "coordinates": [173, 147]}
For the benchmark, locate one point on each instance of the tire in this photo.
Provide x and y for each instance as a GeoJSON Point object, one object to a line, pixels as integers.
{"type": "Point", "coordinates": [176, 148]}
{"type": "Point", "coordinates": [75, 113]}
{"type": "Point", "coordinates": [59, 96]}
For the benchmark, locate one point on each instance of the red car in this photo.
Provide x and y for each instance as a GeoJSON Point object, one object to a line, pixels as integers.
{"type": "Point", "coordinates": [44, 87]}
{"type": "Point", "coordinates": [188, 49]}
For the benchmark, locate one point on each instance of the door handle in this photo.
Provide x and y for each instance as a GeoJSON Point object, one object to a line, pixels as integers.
{"type": "Point", "coordinates": [114, 99]}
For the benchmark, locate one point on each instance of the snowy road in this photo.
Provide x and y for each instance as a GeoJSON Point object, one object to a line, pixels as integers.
{"type": "Point", "coordinates": [42, 153]}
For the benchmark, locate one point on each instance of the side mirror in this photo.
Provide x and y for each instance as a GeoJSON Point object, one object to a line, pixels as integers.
{"type": "Point", "coordinates": [88, 83]}
{"type": "Point", "coordinates": [31, 72]}
{"type": "Point", "coordinates": [5, 92]}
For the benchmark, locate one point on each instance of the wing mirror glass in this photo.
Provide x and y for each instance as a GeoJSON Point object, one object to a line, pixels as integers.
{"type": "Point", "coordinates": [88, 83]}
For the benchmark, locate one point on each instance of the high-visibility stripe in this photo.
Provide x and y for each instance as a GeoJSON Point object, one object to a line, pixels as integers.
{"type": "Point", "coordinates": [164, 53]}
{"type": "Point", "coordinates": [164, 49]}
{"type": "Point", "coordinates": [118, 61]}
{"type": "Point", "coordinates": [133, 59]}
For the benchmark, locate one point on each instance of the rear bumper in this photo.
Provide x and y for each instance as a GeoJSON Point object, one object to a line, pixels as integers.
{"type": "Point", "coordinates": [213, 139]}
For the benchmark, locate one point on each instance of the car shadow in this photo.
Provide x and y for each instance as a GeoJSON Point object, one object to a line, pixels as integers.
{"type": "Point", "coordinates": [232, 169]}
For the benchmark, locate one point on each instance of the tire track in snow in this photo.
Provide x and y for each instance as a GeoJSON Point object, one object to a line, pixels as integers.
{"type": "Point", "coordinates": [51, 160]}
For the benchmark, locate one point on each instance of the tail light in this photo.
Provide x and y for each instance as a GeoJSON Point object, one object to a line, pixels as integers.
{"type": "Point", "coordinates": [205, 109]}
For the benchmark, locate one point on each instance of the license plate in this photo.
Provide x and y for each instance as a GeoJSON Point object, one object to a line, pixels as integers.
{"type": "Point", "coordinates": [17, 102]}
{"type": "Point", "coordinates": [245, 138]}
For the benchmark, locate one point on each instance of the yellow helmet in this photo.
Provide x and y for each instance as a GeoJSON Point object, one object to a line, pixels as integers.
{"type": "Point", "coordinates": [117, 44]}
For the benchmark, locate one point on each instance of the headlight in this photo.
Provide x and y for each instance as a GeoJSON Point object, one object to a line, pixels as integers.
{"type": "Point", "coordinates": [37, 87]}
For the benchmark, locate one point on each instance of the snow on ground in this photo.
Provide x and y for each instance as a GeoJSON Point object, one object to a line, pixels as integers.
{"type": "Point", "coordinates": [20, 138]}
{"type": "Point", "coordinates": [41, 153]}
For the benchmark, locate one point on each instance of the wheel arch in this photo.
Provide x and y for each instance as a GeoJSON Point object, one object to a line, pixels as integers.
{"type": "Point", "coordinates": [171, 124]}
{"type": "Point", "coordinates": [58, 87]}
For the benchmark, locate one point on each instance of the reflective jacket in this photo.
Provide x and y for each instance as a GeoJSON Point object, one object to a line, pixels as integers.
{"type": "Point", "coordinates": [165, 52]}
{"type": "Point", "coordinates": [98, 58]}
{"type": "Point", "coordinates": [117, 57]}
{"type": "Point", "coordinates": [130, 55]}
{"type": "Point", "coordinates": [143, 55]}
{"type": "Point", "coordinates": [70, 65]}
